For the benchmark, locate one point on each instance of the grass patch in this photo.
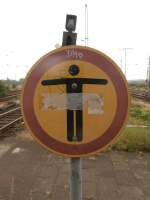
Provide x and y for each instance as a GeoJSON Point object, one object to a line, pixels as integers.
{"type": "Point", "coordinates": [134, 139]}
{"type": "Point", "coordinates": [139, 115]}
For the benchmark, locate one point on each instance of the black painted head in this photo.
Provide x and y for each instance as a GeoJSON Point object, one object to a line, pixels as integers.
{"type": "Point", "coordinates": [74, 70]}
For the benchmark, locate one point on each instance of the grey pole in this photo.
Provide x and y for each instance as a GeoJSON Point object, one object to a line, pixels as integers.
{"type": "Point", "coordinates": [149, 74]}
{"type": "Point", "coordinates": [69, 38]}
{"type": "Point", "coordinates": [75, 179]}
{"type": "Point", "coordinates": [125, 61]}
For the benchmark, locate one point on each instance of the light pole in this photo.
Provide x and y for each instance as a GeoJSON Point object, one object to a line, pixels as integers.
{"type": "Point", "coordinates": [86, 38]}
{"type": "Point", "coordinates": [86, 25]}
{"type": "Point", "coordinates": [125, 59]}
{"type": "Point", "coordinates": [148, 73]}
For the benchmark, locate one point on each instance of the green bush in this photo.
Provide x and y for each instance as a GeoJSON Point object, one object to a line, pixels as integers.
{"type": "Point", "coordinates": [136, 112]}
{"type": "Point", "coordinates": [139, 113]}
{"type": "Point", "coordinates": [145, 115]}
{"type": "Point", "coordinates": [134, 139]}
{"type": "Point", "coordinates": [3, 89]}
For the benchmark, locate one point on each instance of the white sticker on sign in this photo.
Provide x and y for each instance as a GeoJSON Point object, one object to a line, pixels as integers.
{"type": "Point", "coordinates": [73, 101]}
{"type": "Point", "coordinates": [95, 104]}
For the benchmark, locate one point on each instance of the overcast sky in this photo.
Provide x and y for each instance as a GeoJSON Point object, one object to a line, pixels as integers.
{"type": "Point", "coordinates": [31, 28]}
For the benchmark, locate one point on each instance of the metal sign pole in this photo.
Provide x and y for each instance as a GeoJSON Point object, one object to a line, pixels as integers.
{"type": "Point", "coordinates": [76, 179]}
{"type": "Point", "coordinates": [69, 38]}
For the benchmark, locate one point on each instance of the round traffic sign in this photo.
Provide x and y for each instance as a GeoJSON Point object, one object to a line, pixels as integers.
{"type": "Point", "coordinates": [75, 101]}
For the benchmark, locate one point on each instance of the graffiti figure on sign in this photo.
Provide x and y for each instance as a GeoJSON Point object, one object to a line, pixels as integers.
{"type": "Point", "coordinates": [74, 87]}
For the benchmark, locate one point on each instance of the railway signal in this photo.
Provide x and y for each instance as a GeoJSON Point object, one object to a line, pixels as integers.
{"type": "Point", "coordinates": [69, 37]}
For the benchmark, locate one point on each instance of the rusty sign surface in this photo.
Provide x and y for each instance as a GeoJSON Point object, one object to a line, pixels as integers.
{"type": "Point", "coordinates": [75, 101]}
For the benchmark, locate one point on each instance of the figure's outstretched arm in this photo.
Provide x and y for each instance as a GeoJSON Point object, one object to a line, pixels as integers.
{"type": "Point", "coordinates": [76, 80]}
{"type": "Point", "coordinates": [54, 82]}
{"type": "Point", "coordinates": [94, 81]}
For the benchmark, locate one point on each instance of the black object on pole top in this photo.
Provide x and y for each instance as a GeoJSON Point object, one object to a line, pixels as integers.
{"type": "Point", "coordinates": [69, 37]}
{"type": "Point", "coordinates": [71, 22]}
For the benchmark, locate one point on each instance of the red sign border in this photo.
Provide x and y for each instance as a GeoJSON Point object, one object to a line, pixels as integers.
{"type": "Point", "coordinates": [89, 55]}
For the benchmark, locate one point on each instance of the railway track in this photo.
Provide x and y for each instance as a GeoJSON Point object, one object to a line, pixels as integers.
{"type": "Point", "coordinates": [11, 106]}
{"type": "Point", "coordinates": [9, 119]}
{"type": "Point", "coordinates": [10, 96]}
{"type": "Point", "coordinates": [139, 95]}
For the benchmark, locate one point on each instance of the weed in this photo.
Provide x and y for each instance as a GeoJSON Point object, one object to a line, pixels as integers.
{"type": "Point", "coordinates": [134, 139]}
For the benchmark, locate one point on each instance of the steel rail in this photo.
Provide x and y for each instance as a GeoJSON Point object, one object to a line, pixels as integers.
{"type": "Point", "coordinates": [7, 98]}
{"type": "Point", "coordinates": [9, 118]}
{"type": "Point", "coordinates": [5, 127]}
{"type": "Point", "coordinates": [138, 95]}
{"type": "Point", "coordinates": [10, 111]}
